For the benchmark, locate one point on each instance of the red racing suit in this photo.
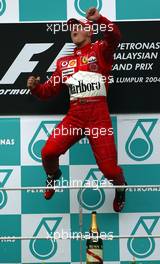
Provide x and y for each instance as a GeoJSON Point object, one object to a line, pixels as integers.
{"type": "Point", "coordinates": [85, 73]}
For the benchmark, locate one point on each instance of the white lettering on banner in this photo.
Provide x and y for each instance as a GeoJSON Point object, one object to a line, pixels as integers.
{"type": "Point", "coordinates": [136, 56]}
{"type": "Point", "coordinates": [144, 66]}
{"type": "Point", "coordinates": [22, 63]}
{"type": "Point", "coordinates": [139, 45]}
{"type": "Point", "coordinates": [14, 91]}
{"type": "Point", "coordinates": [7, 141]}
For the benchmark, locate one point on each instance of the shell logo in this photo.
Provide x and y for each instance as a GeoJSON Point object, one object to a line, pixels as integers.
{"type": "Point", "coordinates": [72, 63]}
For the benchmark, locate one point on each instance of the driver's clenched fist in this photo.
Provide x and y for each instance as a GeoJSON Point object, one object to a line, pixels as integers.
{"type": "Point", "coordinates": [32, 82]}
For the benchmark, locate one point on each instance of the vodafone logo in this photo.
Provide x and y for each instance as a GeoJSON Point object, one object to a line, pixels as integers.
{"type": "Point", "coordinates": [64, 63]}
{"type": "Point", "coordinates": [23, 62]}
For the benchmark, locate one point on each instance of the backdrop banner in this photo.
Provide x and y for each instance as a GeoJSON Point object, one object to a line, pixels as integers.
{"type": "Point", "coordinates": [34, 49]}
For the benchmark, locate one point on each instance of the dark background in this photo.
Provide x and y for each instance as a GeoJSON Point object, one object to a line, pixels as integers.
{"type": "Point", "coordinates": [122, 98]}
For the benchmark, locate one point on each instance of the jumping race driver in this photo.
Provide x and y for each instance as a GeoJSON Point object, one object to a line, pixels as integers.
{"type": "Point", "coordinates": [83, 73]}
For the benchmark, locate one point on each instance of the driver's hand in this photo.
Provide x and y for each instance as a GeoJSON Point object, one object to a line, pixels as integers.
{"type": "Point", "coordinates": [32, 82]}
{"type": "Point", "coordinates": [92, 14]}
